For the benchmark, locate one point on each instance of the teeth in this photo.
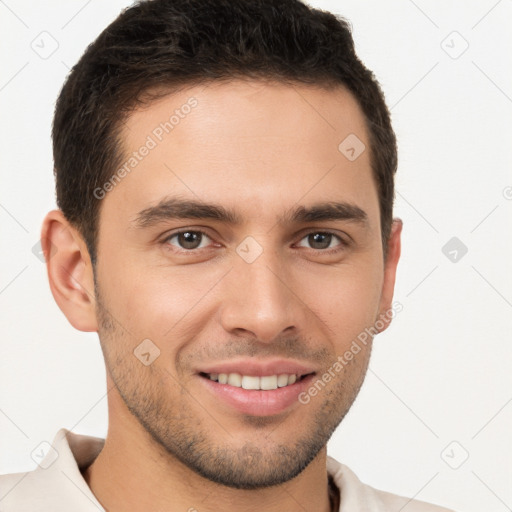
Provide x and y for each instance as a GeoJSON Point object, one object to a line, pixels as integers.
{"type": "Point", "coordinates": [249, 382]}
{"type": "Point", "coordinates": [282, 380]}
{"type": "Point", "coordinates": [235, 379]}
{"type": "Point", "coordinates": [267, 382]}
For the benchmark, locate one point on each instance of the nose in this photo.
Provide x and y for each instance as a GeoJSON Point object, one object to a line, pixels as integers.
{"type": "Point", "coordinates": [260, 300]}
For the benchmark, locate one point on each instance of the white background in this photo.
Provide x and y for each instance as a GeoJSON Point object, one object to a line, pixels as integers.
{"type": "Point", "coordinates": [440, 374]}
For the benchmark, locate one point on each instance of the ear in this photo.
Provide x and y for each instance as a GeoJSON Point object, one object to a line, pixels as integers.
{"type": "Point", "coordinates": [390, 265]}
{"type": "Point", "coordinates": [69, 271]}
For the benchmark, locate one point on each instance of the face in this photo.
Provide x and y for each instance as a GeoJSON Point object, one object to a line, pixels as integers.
{"type": "Point", "coordinates": [243, 246]}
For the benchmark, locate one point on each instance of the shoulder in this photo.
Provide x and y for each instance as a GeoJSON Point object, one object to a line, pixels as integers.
{"type": "Point", "coordinates": [355, 495]}
{"type": "Point", "coordinates": [18, 491]}
{"type": "Point", "coordinates": [56, 484]}
{"type": "Point", "coordinates": [9, 481]}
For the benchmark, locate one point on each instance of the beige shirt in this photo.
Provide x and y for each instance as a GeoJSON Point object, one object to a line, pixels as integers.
{"type": "Point", "coordinates": [57, 484]}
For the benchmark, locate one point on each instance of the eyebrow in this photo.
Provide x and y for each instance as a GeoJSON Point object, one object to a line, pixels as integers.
{"type": "Point", "coordinates": [175, 208]}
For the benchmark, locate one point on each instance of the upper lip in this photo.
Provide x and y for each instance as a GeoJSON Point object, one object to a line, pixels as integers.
{"type": "Point", "coordinates": [259, 368]}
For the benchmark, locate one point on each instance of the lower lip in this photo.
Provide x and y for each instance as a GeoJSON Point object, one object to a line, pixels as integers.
{"type": "Point", "coordinates": [258, 402]}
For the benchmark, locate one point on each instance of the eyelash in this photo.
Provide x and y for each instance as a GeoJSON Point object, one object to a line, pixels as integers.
{"type": "Point", "coordinates": [342, 245]}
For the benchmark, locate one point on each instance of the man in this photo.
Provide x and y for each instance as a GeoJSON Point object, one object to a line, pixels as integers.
{"type": "Point", "coordinates": [225, 187]}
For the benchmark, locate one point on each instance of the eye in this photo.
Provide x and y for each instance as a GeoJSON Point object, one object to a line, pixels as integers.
{"type": "Point", "coordinates": [320, 240]}
{"type": "Point", "coordinates": [188, 240]}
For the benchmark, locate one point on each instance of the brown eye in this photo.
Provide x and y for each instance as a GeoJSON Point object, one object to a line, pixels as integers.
{"type": "Point", "coordinates": [188, 240]}
{"type": "Point", "coordinates": [320, 240]}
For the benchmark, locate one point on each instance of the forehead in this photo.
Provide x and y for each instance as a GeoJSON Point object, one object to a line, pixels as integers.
{"type": "Point", "coordinates": [248, 108]}
{"type": "Point", "coordinates": [257, 145]}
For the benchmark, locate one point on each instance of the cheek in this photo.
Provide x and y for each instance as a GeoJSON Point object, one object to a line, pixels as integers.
{"type": "Point", "coordinates": [159, 302]}
{"type": "Point", "coordinates": [346, 300]}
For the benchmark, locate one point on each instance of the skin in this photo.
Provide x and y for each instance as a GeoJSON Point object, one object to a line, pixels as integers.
{"type": "Point", "coordinates": [260, 149]}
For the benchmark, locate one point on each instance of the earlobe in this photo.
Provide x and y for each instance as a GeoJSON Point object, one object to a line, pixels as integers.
{"type": "Point", "coordinates": [393, 255]}
{"type": "Point", "coordinates": [69, 271]}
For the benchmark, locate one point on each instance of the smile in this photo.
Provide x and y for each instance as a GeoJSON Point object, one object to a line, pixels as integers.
{"type": "Point", "coordinates": [267, 382]}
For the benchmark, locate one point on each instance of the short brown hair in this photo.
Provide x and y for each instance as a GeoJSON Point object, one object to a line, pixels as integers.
{"type": "Point", "coordinates": [169, 44]}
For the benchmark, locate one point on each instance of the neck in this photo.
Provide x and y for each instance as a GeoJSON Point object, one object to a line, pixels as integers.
{"type": "Point", "coordinates": [133, 473]}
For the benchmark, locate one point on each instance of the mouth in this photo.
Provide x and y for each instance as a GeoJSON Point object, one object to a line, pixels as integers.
{"type": "Point", "coordinates": [256, 395]}
{"type": "Point", "coordinates": [254, 382]}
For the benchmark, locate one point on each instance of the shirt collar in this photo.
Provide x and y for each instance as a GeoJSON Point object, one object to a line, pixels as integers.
{"type": "Point", "coordinates": [56, 484]}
